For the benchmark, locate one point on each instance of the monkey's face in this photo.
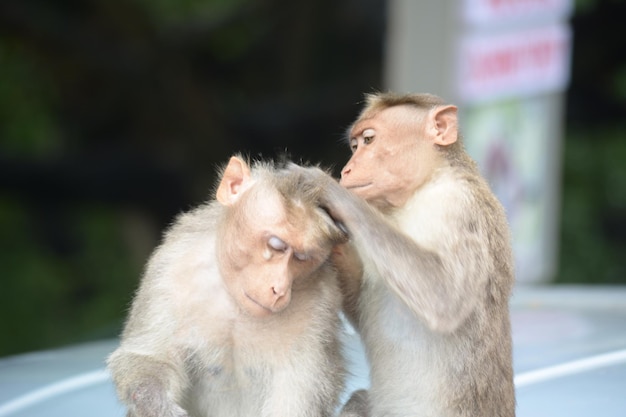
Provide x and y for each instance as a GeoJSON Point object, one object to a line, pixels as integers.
{"type": "Point", "coordinates": [391, 157]}
{"type": "Point", "coordinates": [270, 252]}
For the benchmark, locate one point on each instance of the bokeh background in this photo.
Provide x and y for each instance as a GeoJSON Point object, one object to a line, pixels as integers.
{"type": "Point", "coordinates": [114, 115]}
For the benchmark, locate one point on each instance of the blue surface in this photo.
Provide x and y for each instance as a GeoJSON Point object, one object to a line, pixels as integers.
{"type": "Point", "coordinates": [569, 359]}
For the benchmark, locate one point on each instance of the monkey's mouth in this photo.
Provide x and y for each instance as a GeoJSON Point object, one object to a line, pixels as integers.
{"type": "Point", "coordinates": [358, 186]}
{"type": "Point", "coordinates": [265, 309]}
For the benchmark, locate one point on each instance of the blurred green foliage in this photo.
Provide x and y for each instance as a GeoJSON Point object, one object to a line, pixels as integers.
{"type": "Point", "coordinates": [168, 11]}
{"type": "Point", "coordinates": [65, 295]}
{"type": "Point", "coordinates": [114, 115]}
{"type": "Point", "coordinates": [593, 214]}
{"type": "Point", "coordinates": [27, 123]}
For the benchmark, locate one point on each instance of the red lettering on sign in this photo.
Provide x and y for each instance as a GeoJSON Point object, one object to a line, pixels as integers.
{"type": "Point", "coordinates": [487, 13]}
{"type": "Point", "coordinates": [497, 4]}
{"type": "Point", "coordinates": [535, 60]}
{"type": "Point", "coordinates": [507, 61]}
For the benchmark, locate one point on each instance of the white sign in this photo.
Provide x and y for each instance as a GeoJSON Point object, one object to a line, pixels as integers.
{"type": "Point", "coordinates": [498, 12]}
{"type": "Point", "coordinates": [508, 139]}
{"type": "Point", "coordinates": [520, 63]}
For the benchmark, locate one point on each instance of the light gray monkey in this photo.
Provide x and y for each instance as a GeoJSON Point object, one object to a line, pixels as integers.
{"type": "Point", "coordinates": [237, 313]}
{"type": "Point", "coordinates": [429, 287]}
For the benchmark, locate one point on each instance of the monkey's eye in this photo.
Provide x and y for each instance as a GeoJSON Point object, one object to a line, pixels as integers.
{"type": "Point", "coordinates": [368, 136]}
{"type": "Point", "coordinates": [301, 256]}
{"type": "Point", "coordinates": [277, 244]}
{"type": "Point", "coordinates": [354, 144]}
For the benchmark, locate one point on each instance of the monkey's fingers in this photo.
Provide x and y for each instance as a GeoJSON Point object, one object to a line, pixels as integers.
{"type": "Point", "coordinates": [312, 174]}
{"type": "Point", "coordinates": [340, 225]}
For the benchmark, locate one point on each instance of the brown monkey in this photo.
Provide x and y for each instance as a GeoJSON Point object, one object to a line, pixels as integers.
{"type": "Point", "coordinates": [237, 313]}
{"type": "Point", "coordinates": [432, 305]}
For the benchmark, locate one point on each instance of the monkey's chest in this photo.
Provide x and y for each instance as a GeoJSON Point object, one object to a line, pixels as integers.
{"type": "Point", "coordinates": [237, 360]}
{"type": "Point", "coordinates": [224, 390]}
{"type": "Point", "coordinates": [228, 379]}
{"type": "Point", "coordinates": [234, 375]}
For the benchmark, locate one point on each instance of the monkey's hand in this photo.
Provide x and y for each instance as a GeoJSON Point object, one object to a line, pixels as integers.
{"type": "Point", "coordinates": [329, 190]}
{"type": "Point", "coordinates": [332, 196]}
{"type": "Point", "coordinates": [311, 174]}
{"type": "Point", "coordinates": [148, 399]}
{"type": "Point", "coordinates": [350, 276]}
{"type": "Point", "coordinates": [346, 259]}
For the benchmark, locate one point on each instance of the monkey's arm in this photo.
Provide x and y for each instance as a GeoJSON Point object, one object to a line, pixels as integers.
{"type": "Point", "coordinates": [148, 368]}
{"type": "Point", "coordinates": [148, 371]}
{"type": "Point", "coordinates": [443, 284]}
{"type": "Point", "coordinates": [350, 273]}
{"type": "Point", "coordinates": [148, 386]}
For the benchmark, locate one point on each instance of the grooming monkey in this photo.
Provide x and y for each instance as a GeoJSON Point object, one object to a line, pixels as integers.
{"type": "Point", "coordinates": [237, 312]}
{"type": "Point", "coordinates": [429, 290]}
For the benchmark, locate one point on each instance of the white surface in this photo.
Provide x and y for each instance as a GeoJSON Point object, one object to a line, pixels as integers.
{"type": "Point", "coordinates": [569, 357]}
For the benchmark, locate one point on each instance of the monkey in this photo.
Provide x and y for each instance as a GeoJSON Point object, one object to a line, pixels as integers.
{"type": "Point", "coordinates": [237, 313]}
{"type": "Point", "coordinates": [429, 292]}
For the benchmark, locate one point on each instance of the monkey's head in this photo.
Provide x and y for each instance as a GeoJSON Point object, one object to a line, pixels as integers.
{"type": "Point", "coordinates": [274, 237]}
{"type": "Point", "coordinates": [397, 143]}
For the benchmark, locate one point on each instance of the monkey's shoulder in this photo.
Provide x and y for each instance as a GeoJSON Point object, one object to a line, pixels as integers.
{"type": "Point", "coordinates": [192, 234]}
{"type": "Point", "coordinates": [182, 271]}
{"type": "Point", "coordinates": [452, 193]}
{"type": "Point", "coordinates": [202, 218]}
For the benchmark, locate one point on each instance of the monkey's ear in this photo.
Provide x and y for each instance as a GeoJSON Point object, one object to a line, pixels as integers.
{"type": "Point", "coordinates": [443, 125]}
{"type": "Point", "coordinates": [235, 180]}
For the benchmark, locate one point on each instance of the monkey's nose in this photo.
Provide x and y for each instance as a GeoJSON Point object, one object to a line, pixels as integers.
{"type": "Point", "coordinates": [280, 287]}
{"type": "Point", "coordinates": [281, 299]}
{"type": "Point", "coordinates": [278, 291]}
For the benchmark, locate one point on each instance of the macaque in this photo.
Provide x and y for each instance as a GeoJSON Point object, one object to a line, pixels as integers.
{"type": "Point", "coordinates": [237, 313]}
{"type": "Point", "coordinates": [430, 294]}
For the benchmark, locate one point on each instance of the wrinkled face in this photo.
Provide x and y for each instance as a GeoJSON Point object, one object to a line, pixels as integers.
{"type": "Point", "coordinates": [267, 251]}
{"type": "Point", "coordinates": [391, 157]}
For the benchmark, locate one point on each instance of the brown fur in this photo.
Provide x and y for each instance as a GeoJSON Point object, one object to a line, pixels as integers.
{"type": "Point", "coordinates": [431, 304]}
